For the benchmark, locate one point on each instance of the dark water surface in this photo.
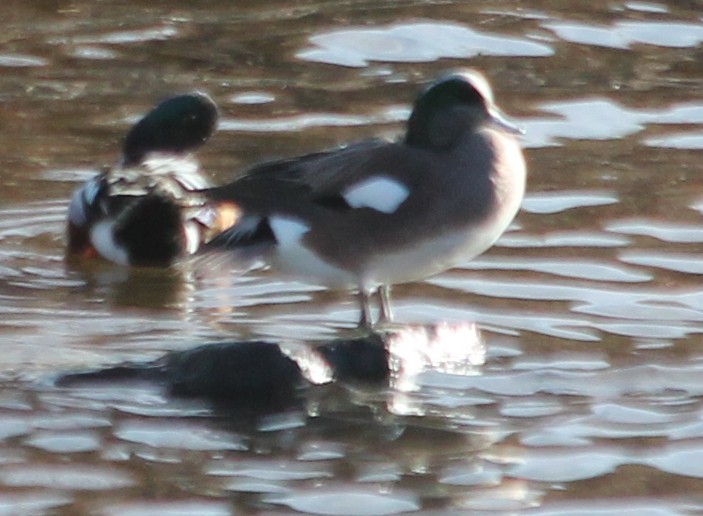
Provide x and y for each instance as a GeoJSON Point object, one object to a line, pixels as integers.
{"type": "Point", "coordinates": [590, 307]}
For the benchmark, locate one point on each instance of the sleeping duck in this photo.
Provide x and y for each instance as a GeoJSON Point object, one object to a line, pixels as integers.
{"type": "Point", "coordinates": [146, 209]}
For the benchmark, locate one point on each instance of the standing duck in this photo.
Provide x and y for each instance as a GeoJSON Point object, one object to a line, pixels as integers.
{"type": "Point", "coordinates": [377, 213]}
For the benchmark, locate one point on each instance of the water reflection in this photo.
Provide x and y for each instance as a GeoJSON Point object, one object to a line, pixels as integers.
{"type": "Point", "coordinates": [415, 42]}
{"type": "Point", "coordinates": [146, 287]}
{"type": "Point", "coordinates": [624, 34]}
{"type": "Point", "coordinates": [371, 418]}
{"type": "Point", "coordinates": [337, 501]}
{"type": "Point", "coordinates": [686, 140]}
{"type": "Point", "coordinates": [261, 374]}
{"type": "Point", "coordinates": [555, 202]}
{"type": "Point", "coordinates": [17, 60]}
{"type": "Point", "coordinates": [602, 119]}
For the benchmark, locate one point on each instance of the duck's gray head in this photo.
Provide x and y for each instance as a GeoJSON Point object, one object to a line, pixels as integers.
{"type": "Point", "coordinates": [458, 102]}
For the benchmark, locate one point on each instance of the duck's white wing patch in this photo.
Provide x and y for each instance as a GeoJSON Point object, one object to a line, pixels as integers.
{"type": "Point", "coordinates": [381, 193]}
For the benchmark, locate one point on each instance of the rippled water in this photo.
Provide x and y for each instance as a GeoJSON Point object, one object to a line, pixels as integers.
{"type": "Point", "coordinates": [590, 307]}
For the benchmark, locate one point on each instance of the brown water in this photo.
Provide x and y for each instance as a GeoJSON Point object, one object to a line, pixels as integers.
{"type": "Point", "coordinates": [591, 306]}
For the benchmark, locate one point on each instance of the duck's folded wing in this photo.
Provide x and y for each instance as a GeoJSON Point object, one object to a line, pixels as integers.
{"type": "Point", "coordinates": [374, 174]}
{"type": "Point", "coordinates": [318, 177]}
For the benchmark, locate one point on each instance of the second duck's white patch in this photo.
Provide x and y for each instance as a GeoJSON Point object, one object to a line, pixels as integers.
{"type": "Point", "coordinates": [288, 231]}
{"type": "Point", "coordinates": [381, 193]}
{"type": "Point", "coordinates": [293, 257]}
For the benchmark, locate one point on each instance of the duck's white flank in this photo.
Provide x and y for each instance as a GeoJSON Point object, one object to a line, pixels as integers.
{"type": "Point", "coordinates": [103, 239]}
{"type": "Point", "coordinates": [291, 255]}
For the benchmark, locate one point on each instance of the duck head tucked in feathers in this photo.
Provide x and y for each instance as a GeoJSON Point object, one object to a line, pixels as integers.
{"type": "Point", "coordinates": [147, 209]}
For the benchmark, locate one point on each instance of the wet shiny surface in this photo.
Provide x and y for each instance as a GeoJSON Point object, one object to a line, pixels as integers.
{"type": "Point", "coordinates": [590, 308]}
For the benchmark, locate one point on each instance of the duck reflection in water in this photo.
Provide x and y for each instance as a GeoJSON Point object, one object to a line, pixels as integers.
{"type": "Point", "coordinates": [265, 376]}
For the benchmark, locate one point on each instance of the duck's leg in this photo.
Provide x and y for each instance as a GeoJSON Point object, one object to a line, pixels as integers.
{"type": "Point", "coordinates": [364, 297]}
{"type": "Point", "coordinates": [384, 295]}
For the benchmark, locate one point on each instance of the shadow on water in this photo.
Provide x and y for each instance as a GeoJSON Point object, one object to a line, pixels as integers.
{"type": "Point", "coordinates": [261, 375]}
{"type": "Point", "coordinates": [256, 395]}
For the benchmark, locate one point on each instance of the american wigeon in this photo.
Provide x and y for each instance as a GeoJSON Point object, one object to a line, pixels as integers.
{"type": "Point", "coordinates": [377, 213]}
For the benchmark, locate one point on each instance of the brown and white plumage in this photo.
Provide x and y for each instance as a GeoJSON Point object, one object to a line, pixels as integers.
{"type": "Point", "coordinates": [147, 209]}
{"type": "Point", "coordinates": [376, 213]}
